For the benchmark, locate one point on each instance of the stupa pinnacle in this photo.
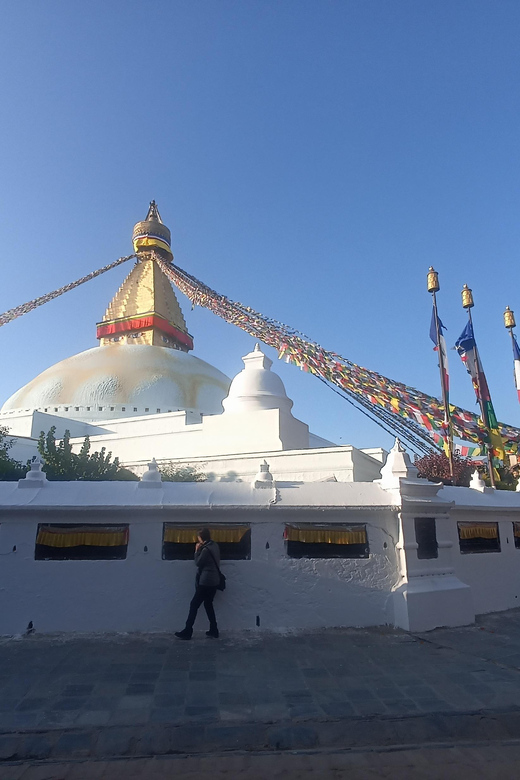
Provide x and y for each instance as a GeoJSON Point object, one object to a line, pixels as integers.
{"type": "Point", "coordinates": [145, 309]}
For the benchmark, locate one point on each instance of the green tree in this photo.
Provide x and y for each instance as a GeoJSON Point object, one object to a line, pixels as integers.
{"type": "Point", "coordinates": [10, 469]}
{"type": "Point", "coordinates": [180, 472]}
{"type": "Point", "coordinates": [61, 463]}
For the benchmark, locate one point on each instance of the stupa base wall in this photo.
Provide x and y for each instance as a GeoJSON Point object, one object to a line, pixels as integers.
{"type": "Point", "coordinates": [425, 603]}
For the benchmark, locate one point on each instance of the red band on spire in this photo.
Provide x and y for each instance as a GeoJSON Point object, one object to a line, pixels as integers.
{"type": "Point", "coordinates": [144, 323]}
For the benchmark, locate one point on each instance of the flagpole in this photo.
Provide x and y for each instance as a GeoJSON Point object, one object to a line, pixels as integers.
{"type": "Point", "coordinates": [433, 288]}
{"type": "Point", "coordinates": [468, 303]}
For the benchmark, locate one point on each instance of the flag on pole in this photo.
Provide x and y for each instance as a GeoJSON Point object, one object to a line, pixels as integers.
{"type": "Point", "coordinates": [438, 339]}
{"type": "Point", "coordinates": [516, 353]}
{"type": "Point", "coordinates": [467, 349]}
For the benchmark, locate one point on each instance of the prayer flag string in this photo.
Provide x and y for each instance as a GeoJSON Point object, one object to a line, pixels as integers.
{"type": "Point", "coordinates": [24, 308]}
{"type": "Point", "coordinates": [403, 408]}
{"type": "Point", "coordinates": [415, 416]}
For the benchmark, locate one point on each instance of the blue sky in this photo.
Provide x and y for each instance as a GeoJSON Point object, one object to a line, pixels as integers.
{"type": "Point", "coordinates": [312, 159]}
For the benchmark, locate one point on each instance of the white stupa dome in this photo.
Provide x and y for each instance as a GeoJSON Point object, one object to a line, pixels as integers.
{"type": "Point", "coordinates": [124, 380]}
{"type": "Point", "coordinates": [256, 387]}
{"type": "Point", "coordinates": [142, 365]}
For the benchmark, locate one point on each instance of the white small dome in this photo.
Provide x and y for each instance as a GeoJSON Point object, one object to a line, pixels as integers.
{"type": "Point", "coordinates": [256, 387]}
{"type": "Point", "coordinates": [124, 380]}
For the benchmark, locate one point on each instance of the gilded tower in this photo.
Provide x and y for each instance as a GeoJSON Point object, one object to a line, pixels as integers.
{"type": "Point", "coordinates": [145, 309]}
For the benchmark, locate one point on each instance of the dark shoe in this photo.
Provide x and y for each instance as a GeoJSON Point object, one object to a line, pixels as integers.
{"type": "Point", "coordinates": [213, 633]}
{"type": "Point", "coordinates": [183, 634]}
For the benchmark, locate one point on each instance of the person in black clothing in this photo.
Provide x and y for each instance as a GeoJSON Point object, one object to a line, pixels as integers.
{"type": "Point", "coordinates": [207, 561]}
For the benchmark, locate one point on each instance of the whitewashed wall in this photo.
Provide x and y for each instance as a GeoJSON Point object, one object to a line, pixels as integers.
{"type": "Point", "coordinates": [145, 593]}
{"type": "Point", "coordinates": [494, 577]}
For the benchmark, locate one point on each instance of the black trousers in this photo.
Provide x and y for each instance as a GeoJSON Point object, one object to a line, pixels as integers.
{"type": "Point", "coordinates": [203, 595]}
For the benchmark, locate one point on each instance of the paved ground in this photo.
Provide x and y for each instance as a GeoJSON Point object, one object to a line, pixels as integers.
{"type": "Point", "coordinates": [152, 695]}
{"type": "Point", "coordinates": [500, 761]}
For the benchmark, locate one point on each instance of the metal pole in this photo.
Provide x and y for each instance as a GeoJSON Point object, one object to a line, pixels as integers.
{"type": "Point", "coordinates": [447, 416]}
{"type": "Point", "coordinates": [483, 415]}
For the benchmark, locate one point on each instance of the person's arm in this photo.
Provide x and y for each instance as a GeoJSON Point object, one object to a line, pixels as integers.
{"type": "Point", "coordinates": [200, 556]}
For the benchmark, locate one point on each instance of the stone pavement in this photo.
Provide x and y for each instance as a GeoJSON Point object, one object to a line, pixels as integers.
{"type": "Point", "coordinates": [138, 696]}
{"type": "Point", "coordinates": [499, 761]}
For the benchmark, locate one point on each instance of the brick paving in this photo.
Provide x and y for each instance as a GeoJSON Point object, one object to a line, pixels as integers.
{"type": "Point", "coordinates": [151, 695]}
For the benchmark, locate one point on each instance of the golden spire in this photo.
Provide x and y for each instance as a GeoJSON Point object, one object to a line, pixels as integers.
{"type": "Point", "coordinates": [145, 309]}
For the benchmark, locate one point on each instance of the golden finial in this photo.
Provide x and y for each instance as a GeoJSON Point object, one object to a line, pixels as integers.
{"type": "Point", "coordinates": [509, 318]}
{"type": "Point", "coordinates": [433, 281]}
{"type": "Point", "coordinates": [467, 297]}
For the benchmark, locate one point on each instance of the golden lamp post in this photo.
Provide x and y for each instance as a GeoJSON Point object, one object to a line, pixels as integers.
{"type": "Point", "coordinates": [509, 322]}
{"type": "Point", "coordinates": [433, 286]}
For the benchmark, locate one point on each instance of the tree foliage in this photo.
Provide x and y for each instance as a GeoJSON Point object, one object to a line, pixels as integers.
{"type": "Point", "coordinates": [61, 463]}
{"type": "Point", "coordinates": [10, 469]}
{"type": "Point", "coordinates": [436, 468]}
{"type": "Point", "coordinates": [181, 472]}
{"type": "Point", "coordinates": [506, 477]}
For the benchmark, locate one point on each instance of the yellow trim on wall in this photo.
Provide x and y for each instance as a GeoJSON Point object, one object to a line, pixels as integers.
{"type": "Point", "coordinates": [82, 536]}
{"type": "Point", "coordinates": [352, 535]}
{"type": "Point", "coordinates": [478, 530]}
{"type": "Point", "coordinates": [188, 535]}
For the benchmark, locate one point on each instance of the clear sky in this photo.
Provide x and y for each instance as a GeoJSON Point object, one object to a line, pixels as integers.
{"type": "Point", "coordinates": [311, 157]}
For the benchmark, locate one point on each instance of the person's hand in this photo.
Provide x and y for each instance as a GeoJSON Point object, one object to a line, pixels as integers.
{"type": "Point", "coordinates": [198, 546]}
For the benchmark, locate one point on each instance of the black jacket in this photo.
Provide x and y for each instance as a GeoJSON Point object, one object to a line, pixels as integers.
{"type": "Point", "coordinates": [207, 568]}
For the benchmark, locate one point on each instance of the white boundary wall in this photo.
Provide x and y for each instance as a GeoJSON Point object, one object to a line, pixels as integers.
{"type": "Point", "coordinates": [494, 577]}
{"type": "Point", "coordinates": [146, 593]}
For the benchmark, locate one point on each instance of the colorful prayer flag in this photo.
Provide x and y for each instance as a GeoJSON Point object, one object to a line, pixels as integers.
{"type": "Point", "coordinates": [467, 349]}
{"type": "Point", "coordinates": [438, 339]}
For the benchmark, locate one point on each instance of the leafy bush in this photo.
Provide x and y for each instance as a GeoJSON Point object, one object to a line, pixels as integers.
{"type": "Point", "coordinates": [10, 469]}
{"type": "Point", "coordinates": [180, 472]}
{"type": "Point", "coordinates": [61, 463]}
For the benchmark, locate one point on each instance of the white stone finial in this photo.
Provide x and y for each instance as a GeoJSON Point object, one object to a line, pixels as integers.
{"type": "Point", "coordinates": [398, 466]}
{"type": "Point", "coordinates": [36, 470]}
{"type": "Point", "coordinates": [264, 478]}
{"type": "Point", "coordinates": [398, 446]}
{"type": "Point", "coordinates": [401, 476]}
{"type": "Point", "coordinates": [35, 478]}
{"type": "Point", "coordinates": [152, 477]}
{"type": "Point", "coordinates": [476, 482]}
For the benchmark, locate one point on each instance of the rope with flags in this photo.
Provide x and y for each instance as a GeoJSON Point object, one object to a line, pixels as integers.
{"type": "Point", "coordinates": [416, 416]}
{"type": "Point", "coordinates": [25, 308]}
